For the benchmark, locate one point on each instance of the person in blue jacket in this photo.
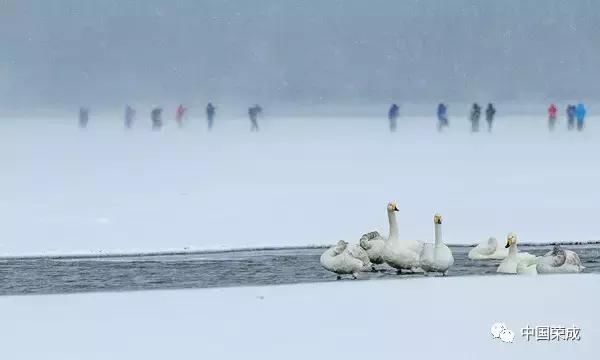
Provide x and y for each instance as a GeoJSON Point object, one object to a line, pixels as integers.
{"type": "Point", "coordinates": [442, 115]}
{"type": "Point", "coordinates": [393, 114]}
{"type": "Point", "coordinates": [580, 115]}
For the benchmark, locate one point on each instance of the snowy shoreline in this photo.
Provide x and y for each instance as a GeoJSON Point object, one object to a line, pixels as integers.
{"type": "Point", "coordinates": [429, 318]}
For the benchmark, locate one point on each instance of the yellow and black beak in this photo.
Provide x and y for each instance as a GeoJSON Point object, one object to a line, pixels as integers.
{"type": "Point", "coordinates": [396, 208]}
{"type": "Point", "coordinates": [507, 245]}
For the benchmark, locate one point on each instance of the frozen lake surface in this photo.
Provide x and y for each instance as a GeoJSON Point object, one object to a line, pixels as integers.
{"type": "Point", "coordinates": [46, 275]}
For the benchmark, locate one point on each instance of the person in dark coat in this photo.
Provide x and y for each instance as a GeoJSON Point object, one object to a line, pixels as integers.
{"type": "Point", "coordinates": [570, 117]}
{"type": "Point", "coordinates": [129, 116]}
{"type": "Point", "coordinates": [84, 117]}
{"type": "Point", "coordinates": [442, 116]}
{"type": "Point", "coordinates": [393, 116]}
{"type": "Point", "coordinates": [210, 115]}
{"type": "Point", "coordinates": [475, 115]}
{"type": "Point", "coordinates": [156, 117]}
{"type": "Point", "coordinates": [490, 112]}
{"type": "Point", "coordinates": [253, 113]}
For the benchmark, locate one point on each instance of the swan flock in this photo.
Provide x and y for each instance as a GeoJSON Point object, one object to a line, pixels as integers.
{"type": "Point", "coordinates": [375, 251]}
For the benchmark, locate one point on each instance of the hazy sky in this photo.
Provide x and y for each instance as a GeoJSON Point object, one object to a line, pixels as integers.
{"type": "Point", "coordinates": [66, 52]}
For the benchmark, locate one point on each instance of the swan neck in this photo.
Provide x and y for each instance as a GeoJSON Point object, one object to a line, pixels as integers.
{"type": "Point", "coordinates": [512, 250]}
{"type": "Point", "coordinates": [393, 226]}
{"type": "Point", "coordinates": [438, 234]}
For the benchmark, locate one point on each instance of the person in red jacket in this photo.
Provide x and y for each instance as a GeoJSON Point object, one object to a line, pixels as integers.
{"type": "Point", "coordinates": [179, 115]}
{"type": "Point", "coordinates": [552, 116]}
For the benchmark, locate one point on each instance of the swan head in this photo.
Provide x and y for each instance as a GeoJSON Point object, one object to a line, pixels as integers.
{"type": "Point", "coordinates": [340, 247]}
{"type": "Point", "coordinates": [511, 239]}
{"type": "Point", "coordinates": [392, 206]}
{"type": "Point", "coordinates": [437, 219]}
{"type": "Point", "coordinates": [557, 250]}
{"type": "Point", "coordinates": [364, 242]}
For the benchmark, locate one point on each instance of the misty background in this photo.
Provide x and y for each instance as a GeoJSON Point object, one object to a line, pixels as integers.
{"type": "Point", "coordinates": [65, 53]}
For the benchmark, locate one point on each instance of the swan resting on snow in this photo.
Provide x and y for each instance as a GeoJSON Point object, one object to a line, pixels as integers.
{"type": "Point", "coordinates": [338, 260]}
{"type": "Point", "coordinates": [401, 255]}
{"type": "Point", "coordinates": [511, 262]}
{"type": "Point", "coordinates": [559, 260]}
{"type": "Point", "coordinates": [489, 250]}
{"type": "Point", "coordinates": [373, 243]}
{"type": "Point", "coordinates": [436, 257]}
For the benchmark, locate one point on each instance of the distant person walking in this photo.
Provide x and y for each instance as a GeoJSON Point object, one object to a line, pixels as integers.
{"type": "Point", "coordinates": [156, 117]}
{"type": "Point", "coordinates": [129, 116]}
{"type": "Point", "coordinates": [210, 115]}
{"type": "Point", "coordinates": [490, 112]}
{"type": "Point", "coordinates": [580, 115]}
{"type": "Point", "coordinates": [253, 113]}
{"type": "Point", "coordinates": [179, 115]}
{"type": "Point", "coordinates": [442, 116]}
{"type": "Point", "coordinates": [475, 116]}
{"type": "Point", "coordinates": [84, 117]}
{"type": "Point", "coordinates": [393, 113]}
{"type": "Point", "coordinates": [570, 117]}
{"type": "Point", "coordinates": [552, 117]}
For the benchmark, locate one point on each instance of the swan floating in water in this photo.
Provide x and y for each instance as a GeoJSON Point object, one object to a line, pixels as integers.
{"type": "Point", "coordinates": [489, 250]}
{"type": "Point", "coordinates": [337, 260]}
{"type": "Point", "coordinates": [373, 243]}
{"type": "Point", "coordinates": [511, 262]}
{"type": "Point", "coordinates": [436, 257]}
{"type": "Point", "coordinates": [401, 255]}
{"type": "Point", "coordinates": [559, 260]}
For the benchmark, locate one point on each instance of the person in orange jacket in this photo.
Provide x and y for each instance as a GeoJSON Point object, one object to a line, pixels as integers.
{"type": "Point", "coordinates": [552, 116]}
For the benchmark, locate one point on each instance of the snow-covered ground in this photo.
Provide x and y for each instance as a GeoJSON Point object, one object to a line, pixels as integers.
{"type": "Point", "coordinates": [300, 181]}
{"type": "Point", "coordinates": [434, 318]}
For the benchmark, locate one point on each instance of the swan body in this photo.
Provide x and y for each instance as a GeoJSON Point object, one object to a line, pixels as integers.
{"type": "Point", "coordinates": [559, 261]}
{"type": "Point", "coordinates": [528, 266]}
{"type": "Point", "coordinates": [373, 243]}
{"type": "Point", "coordinates": [401, 255]}
{"type": "Point", "coordinates": [357, 252]}
{"type": "Point", "coordinates": [489, 250]}
{"type": "Point", "coordinates": [436, 257]}
{"type": "Point", "coordinates": [337, 260]}
{"type": "Point", "coordinates": [511, 262]}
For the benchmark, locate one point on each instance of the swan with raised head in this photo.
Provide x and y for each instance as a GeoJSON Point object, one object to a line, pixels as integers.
{"type": "Point", "coordinates": [489, 250]}
{"type": "Point", "coordinates": [511, 262]}
{"type": "Point", "coordinates": [373, 243]}
{"type": "Point", "coordinates": [436, 257]}
{"type": "Point", "coordinates": [400, 254]}
{"type": "Point", "coordinates": [337, 260]}
{"type": "Point", "coordinates": [558, 261]}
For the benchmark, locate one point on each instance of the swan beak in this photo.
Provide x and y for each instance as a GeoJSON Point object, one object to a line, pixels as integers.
{"type": "Point", "coordinates": [396, 208]}
{"type": "Point", "coordinates": [507, 245]}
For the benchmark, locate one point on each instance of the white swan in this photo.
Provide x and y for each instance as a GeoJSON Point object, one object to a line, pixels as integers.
{"type": "Point", "coordinates": [436, 257]}
{"type": "Point", "coordinates": [527, 266]}
{"type": "Point", "coordinates": [510, 263]}
{"type": "Point", "coordinates": [489, 250]}
{"type": "Point", "coordinates": [357, 252]}
{"type": "Point", "coordinates": [337, 260]}
{"type": "Point", "coordinates": [559, 260]}
{"type": "Point", "coordinates": [373, 243]}
{"type": "Point", "coordinates": [401, 255]}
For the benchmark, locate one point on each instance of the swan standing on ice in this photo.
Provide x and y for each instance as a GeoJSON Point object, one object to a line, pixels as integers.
{"type": "Point", "coordinates": [488, 251]}
{"type": "Point", "coordinates": [511, 262]}
{"type": "Point", "coordinates": [336, 259]}
{"type": "Point", "coordinates": [401, 255]}
{"type": "Point", "coordinates": [559, 260]}
{"type": "Point", "coordinates": [373, 243]}
{"type": "Point", "coordinates": [436, 257]}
